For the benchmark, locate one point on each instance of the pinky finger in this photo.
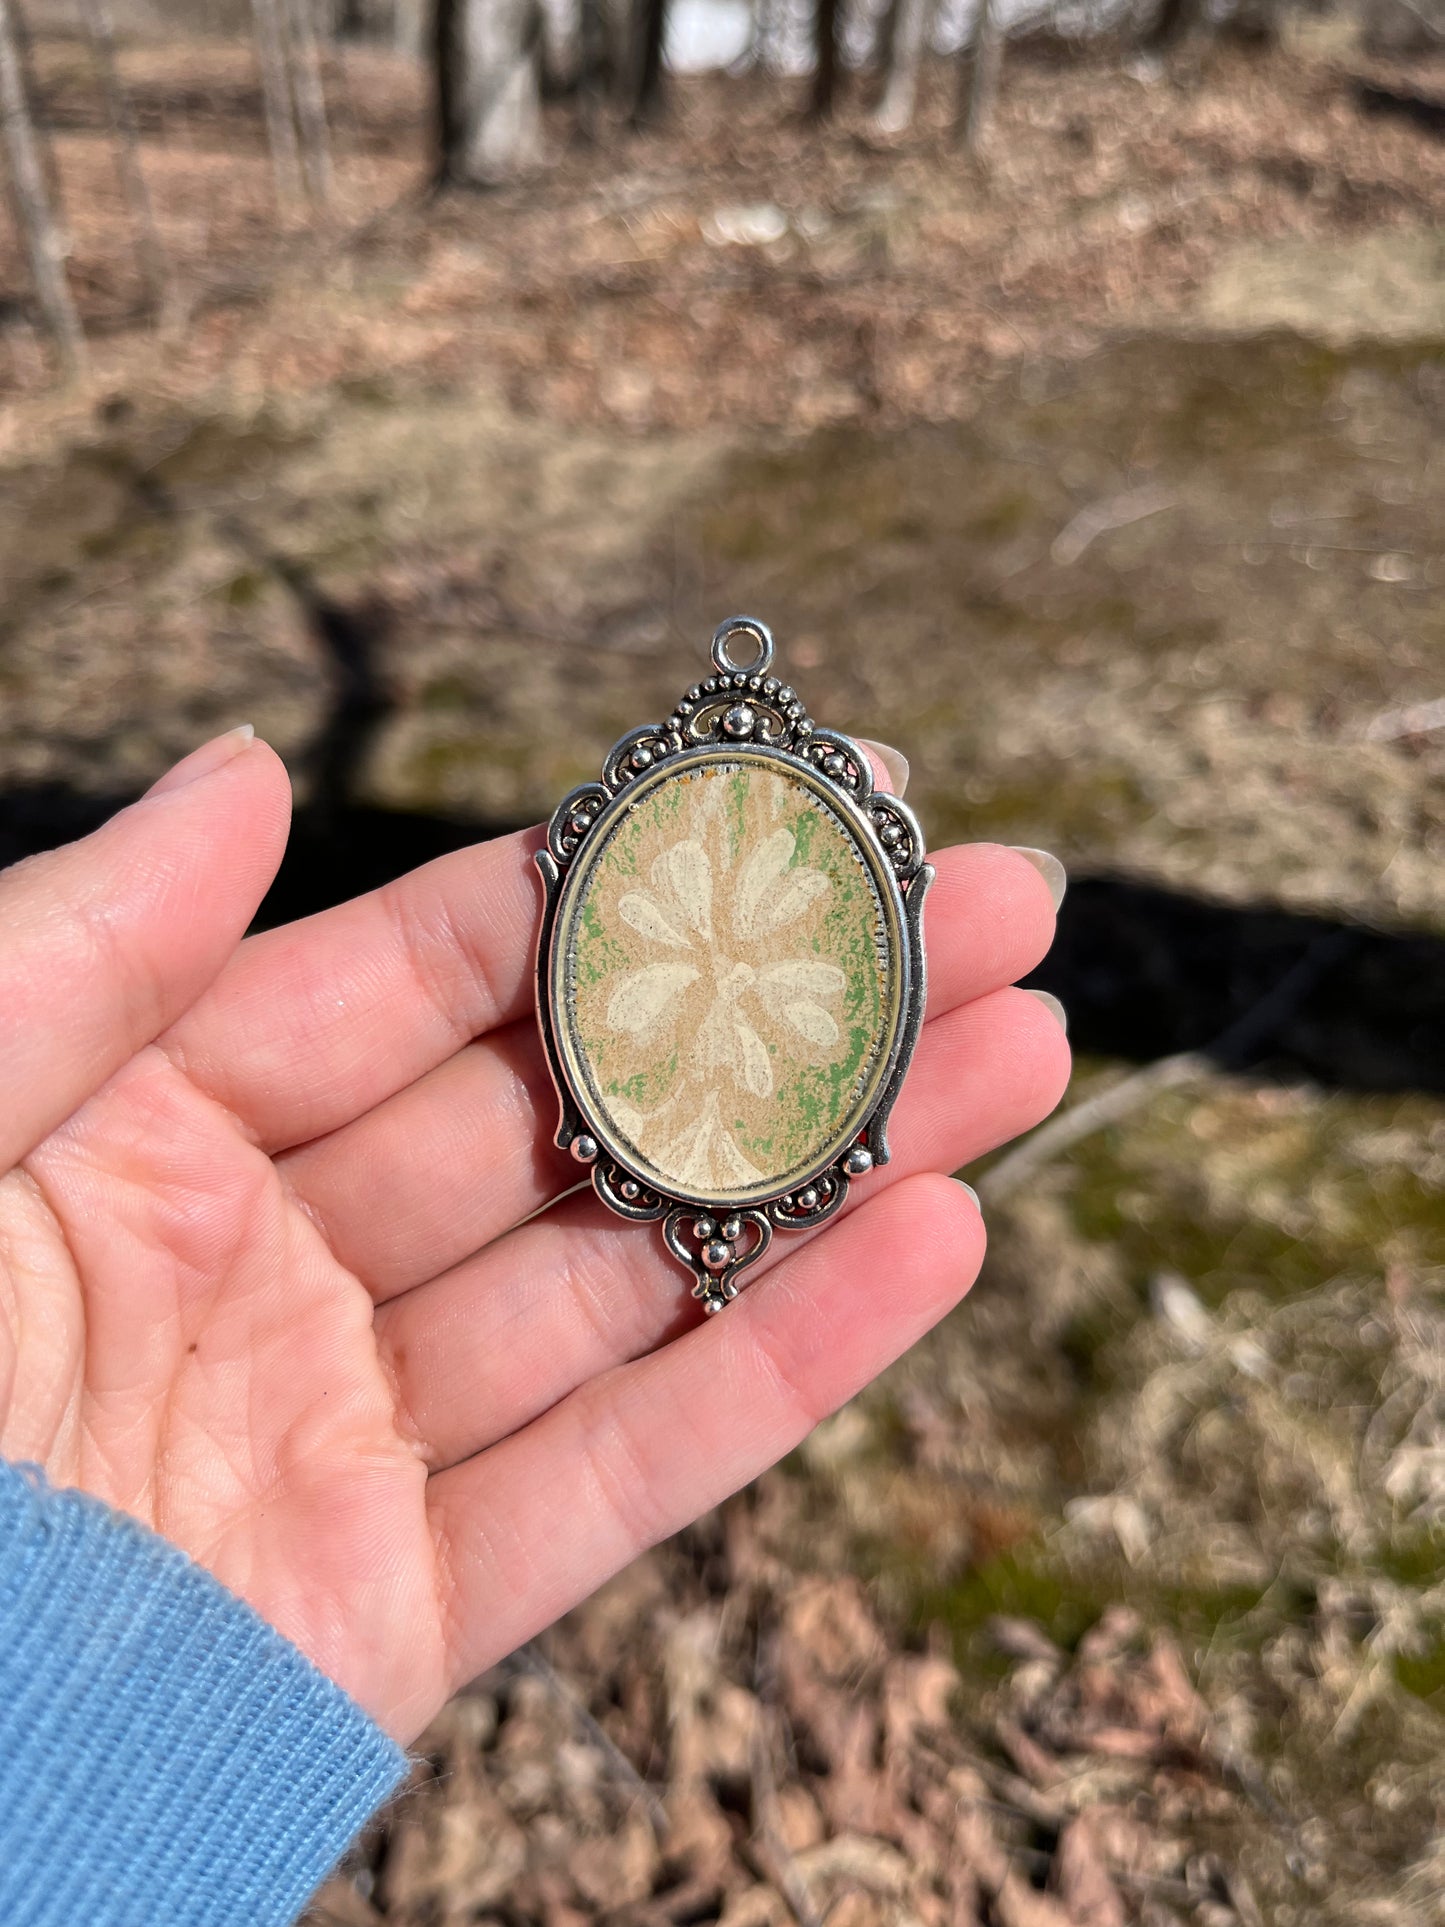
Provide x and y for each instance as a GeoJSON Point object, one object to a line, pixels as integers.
{"type": "Point", "coordinates": [529, 1527]}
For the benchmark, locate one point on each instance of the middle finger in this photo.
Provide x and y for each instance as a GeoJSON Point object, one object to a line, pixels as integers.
{"type": "Point", "coordinates": [465, 1153]}
{"type": "Point", "coordinates": [476, 1354]}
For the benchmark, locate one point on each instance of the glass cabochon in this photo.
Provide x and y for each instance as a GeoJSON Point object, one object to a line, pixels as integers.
{"type": "Point", "coordinates": [725, 978]}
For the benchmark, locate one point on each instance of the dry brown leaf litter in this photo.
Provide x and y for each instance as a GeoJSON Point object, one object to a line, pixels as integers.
{"type": "Point", "coordinates": [808, 1770]}
{"type": "Point", "coordinates": [612, 289]}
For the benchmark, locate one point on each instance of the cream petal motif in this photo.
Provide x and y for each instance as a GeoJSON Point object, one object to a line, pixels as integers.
{"type": "Point", "coordinates": [628, 1119]}
{"type": "Point", "coordinates": [797, 890]}
{"type": "Point", "coordinates": [803, 976]}
{"type": "Point", "coordinates": [642, 996]}
{"type": "Point", "coordinates": [756, 875]}
{"type": "Point", "coordinates": [813, 1022]}
{"type": "Point", "coordinates": [704, 1155]}
{"type": "Point", "coordinates": [757, 1068]}
{"type": "Point", "coordinates": [648, 919]}
{"type": "Point", "coordinates": [688, 874]}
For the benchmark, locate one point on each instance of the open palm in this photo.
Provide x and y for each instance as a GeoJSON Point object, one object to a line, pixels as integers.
{"type": "Point", "coordinates": [276, 1275]}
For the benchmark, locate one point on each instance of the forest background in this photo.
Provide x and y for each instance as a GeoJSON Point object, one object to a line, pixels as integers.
{"type": "Point", "coordinates": [1067, 389]}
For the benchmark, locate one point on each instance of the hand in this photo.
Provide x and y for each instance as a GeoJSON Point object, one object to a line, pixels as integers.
{"type": "Point", "coordinates": [270, 1274]}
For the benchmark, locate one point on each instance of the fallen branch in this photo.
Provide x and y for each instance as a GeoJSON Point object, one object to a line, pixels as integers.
{"type": "Point", "coordinates": [1061, 1133]}
{"type": "Point", "coordinates": [1231, 1049]}
{"type": "Point", "coordinates": [528, 1659]}
{"type": "Point", "coordinates": [1116, 512]}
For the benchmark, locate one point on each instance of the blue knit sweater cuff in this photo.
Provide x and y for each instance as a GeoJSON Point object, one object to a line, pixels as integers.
{"type": "Point", "coordinates": [166, 1757]}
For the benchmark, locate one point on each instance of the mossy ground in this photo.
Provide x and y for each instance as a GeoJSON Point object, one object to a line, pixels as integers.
{"type": "Point", "coordinates": [1200, 1377]}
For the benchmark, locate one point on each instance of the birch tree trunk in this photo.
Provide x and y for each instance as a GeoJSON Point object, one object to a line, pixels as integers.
{"type": "Point", "coordinates": [310, 98]}
{"type": "Point", "coordinates": [43, 242]}
{"type": "Point", "coordinates": [767, 35]}
{"type": "Point", "coordinates": [271, 59]}
{"type": "Point", "coordinates": [982, 78]}
{"type": "Point", "coordinates": [150, 249]}
{"type": "Point", "coordinates": [488, 88]}
{"type": "Point", "coordinates": [911, 20]}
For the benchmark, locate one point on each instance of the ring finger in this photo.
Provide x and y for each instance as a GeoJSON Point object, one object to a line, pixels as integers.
{"type": "Point", "coordinates": [480, 1352]}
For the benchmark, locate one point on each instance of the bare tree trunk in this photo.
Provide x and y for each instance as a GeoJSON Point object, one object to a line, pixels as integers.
{"type": "Point", "coordinates": [409, 28]}
{"type": "Point", "coordinates": [1172, 24]}
{"type": "Point", "coordinates": [271, 59]}
{"type": "Point", "coordinates": [150, 249]}
{"type": "Point", "coordinates": [912, 19]}
{"type": "Point", "coordinates": [488, 89]}
{"type": "Point", "coordinates": [649, 29]}
{"type": "Point", "coordinates": [310, 98]}
{"type": "Point", "coordinates": [766, 36]}
{"type": "Point", "coordinates": [593, 65]}
{"type": "Point", "coordinates": [1253, 23]}
{"type": "Point", "coordinates": [885, 39]}
{"type": "Point", "coordinates": [982, 78]}
{"type": "Point", "coordinates": [43, 241]}
{"type": "Point", "coordinates": [827, 22]}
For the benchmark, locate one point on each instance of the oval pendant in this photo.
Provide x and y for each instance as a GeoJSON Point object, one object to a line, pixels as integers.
{"type": "Point", "coordinates": [730, 973]}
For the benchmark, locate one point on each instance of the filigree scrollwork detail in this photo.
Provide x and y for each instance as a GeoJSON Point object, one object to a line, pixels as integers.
{"type": "Point", "coordinates": [716, 1248]}
{"type": "Point", "coordinates": [741, 707]}
{"type": "Point", "coordinates": [627, 1195]}
{"type": "Point", "coordinates": [637, 751]}
{"type": "Point", "coordinates": [899, 834]}
{"type": "Point", "coordinates": [839, 758]}
{"type": "Point", "coordinates": [811, 1203]}
{"type": "Point", "coordinates": [574, 817]}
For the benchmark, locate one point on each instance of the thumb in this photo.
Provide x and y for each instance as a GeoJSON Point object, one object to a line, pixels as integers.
{"type": "Point", "coordinates": [106, 942]}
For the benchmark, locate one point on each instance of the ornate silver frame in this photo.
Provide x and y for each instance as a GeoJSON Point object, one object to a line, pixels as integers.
{"type": "Point", "coordinates": [738, 714]}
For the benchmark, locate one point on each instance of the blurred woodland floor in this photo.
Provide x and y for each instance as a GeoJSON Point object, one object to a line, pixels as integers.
{"type": "Point", "coordinates": [1110, 485]}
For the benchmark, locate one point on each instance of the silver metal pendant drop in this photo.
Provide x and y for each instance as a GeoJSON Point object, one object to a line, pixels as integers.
{"type": "Point", "coordinates": [730, 971]}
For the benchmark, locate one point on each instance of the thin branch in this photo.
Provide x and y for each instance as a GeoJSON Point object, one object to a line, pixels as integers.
{"type": "Point", "coordinates": [1099, 518]}
{"type": "Point", "coordinates": [1234, 1046]}
{"type": "Point", "coordinates": [151, 250]}
{"type": "Point", "coordinates": [1061, 1133]}
{"type": "Point", "coordinates": [310, 97]}
{"type": "Point", "coordinates": [271, 59]}
{"type": "Point", "coordinates": [983, 76]}
{"type": "Point", "coordinates": [43, 239]}
{"type": "Point", "coordinates": [773, 1851]}
{"type": "Point", "coordinates": [529, 1659]}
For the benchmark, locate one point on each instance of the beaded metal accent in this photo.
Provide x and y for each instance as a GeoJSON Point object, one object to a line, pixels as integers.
{"type": "Point", "coordinates": [730, 971]}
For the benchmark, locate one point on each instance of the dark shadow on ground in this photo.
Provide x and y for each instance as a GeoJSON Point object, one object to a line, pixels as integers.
{"type": "Point", "coordinates": [1143, 971]}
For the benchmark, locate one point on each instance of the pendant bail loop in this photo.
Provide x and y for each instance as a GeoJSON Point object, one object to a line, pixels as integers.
{"type": "Point", "coordinates": [757, 632]}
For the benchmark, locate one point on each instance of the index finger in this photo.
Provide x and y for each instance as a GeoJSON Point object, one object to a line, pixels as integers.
{"type": "Point", "coordinates": [316, 1023]}
{"type": "Point", "coordinates": [108, 939]}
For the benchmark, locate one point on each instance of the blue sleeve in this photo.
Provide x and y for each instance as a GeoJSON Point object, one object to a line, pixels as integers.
{"type": "Point", "coordinates": [167, 1759]}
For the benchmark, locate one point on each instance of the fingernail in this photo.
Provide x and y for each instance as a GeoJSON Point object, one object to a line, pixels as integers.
{"type": "Point", "coordinates": [893, 760]}
{"type": "Point", "coordinates": [1055, 1009]}
{"type": "Point", "coordinates": [205, 760]}
{"type": "Point", "coordinates": [1048, 867]}
{"type": "Point", "coordinates": [978, 1207]}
